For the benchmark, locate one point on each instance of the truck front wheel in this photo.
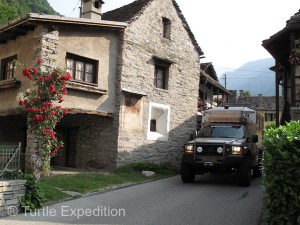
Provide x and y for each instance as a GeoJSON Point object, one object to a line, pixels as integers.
{"type": "Point", "coordinates": [244, 173]}
{"type": "Point", "coordinates": [187, 173]}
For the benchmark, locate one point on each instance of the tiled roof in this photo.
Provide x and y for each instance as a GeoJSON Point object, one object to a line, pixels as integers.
{"type": "Point", "coordinates": [127, 13]}
{"type": "Point", "coordinates": [132, 11]}
{"type": "Point", "coordinates": [210, 70]}
{"type": "Point", "coordinates": [210, 75]}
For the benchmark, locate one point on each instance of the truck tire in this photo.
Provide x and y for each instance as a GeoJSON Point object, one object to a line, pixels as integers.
{"type": "Point", "coordinates": [257, 171]}
{"type": "Point", "coordinates": [187, 173]}
{"type": "Point", "coordinates": [244, 173]}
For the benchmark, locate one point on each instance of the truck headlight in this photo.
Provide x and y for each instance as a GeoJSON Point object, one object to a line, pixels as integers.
{"type": "Point", "coordinates": [236, 150]}
{"type": "Point", "coordinates": [189, 148]}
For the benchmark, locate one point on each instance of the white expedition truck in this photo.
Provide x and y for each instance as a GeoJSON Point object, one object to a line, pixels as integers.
{"type": "Point", "coordinates": [226, 143]}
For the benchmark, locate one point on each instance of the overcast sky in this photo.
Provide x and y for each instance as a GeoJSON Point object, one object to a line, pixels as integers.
{"type": "Point", "coordinates": [229, 32]}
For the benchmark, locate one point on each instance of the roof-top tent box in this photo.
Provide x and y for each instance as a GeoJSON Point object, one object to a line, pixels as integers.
{"type": "Point", "coordinates": [231, 115]}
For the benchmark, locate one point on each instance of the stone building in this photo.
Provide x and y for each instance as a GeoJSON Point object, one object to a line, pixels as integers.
{"type": "Point", "coordinates": [211, 92]}
{"type": "Point", "coordinates": [284, 46]}
{"type": "Point", "coordinates": [134, 87]}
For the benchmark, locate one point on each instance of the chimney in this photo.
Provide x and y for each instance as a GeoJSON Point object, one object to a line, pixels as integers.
{"type": "Point", "coordinates": [91, 9]}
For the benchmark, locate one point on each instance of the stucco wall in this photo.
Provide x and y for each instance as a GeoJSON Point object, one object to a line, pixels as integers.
{"type": "Point", "coordinates": [99, 45]}
{"type": "Point", "coordinates": [23, 48]}
{"type": "Point", "coordinates": [143, 39]}
{"type": "Point", "coordinates": [96, 141]}
{"type": "Point", "coordinates": [52, 47]}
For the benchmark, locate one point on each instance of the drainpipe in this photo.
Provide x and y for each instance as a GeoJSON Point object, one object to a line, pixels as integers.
{"type": "Point", "coordinates": [277, 93]}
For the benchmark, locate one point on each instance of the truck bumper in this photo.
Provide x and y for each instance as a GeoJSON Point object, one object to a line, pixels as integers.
{"type": "Point", "coordinates": [206, 164]}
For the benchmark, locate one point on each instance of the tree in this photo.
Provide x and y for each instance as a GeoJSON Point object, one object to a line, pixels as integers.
{"type": "Point", "coordinates": [11, 9]}
{"type": "Point", "coordinates": [7, 13]}
{"type": "Point", "coordinates": [246, 93]}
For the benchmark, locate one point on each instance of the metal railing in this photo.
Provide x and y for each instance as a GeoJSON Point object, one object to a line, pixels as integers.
{"type": "Point", "coordinates": [9, 161]}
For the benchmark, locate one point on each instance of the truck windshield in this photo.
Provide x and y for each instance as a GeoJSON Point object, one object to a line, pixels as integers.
{"type": "Point", "coordinates": [222, 132]}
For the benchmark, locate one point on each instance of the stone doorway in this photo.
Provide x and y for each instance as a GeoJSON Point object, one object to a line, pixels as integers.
{"type": "Point", "coordinates": [66, 157]}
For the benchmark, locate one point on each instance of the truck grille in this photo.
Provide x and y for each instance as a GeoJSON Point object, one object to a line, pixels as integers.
{"type": "Point", "coordinates": [210, 149]}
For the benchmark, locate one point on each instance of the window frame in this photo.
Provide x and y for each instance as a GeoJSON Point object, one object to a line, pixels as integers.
{"type": "Point", "coordinates": [166, 28]}
{"type": "Point", "coordinates": [4, 62]}
{"type": "Point", "coordinates": [153, 125]}
{"type": "Point", "coordinates": [160, 113]}
{"type": "Point", "coordinates": [269, 117]}
{"type": "Point", "coordinates": [80, 59]}
{"type": "Point", "coordinates": [163, 66]}
{"type": "Point", "coordinates": [161, 82]}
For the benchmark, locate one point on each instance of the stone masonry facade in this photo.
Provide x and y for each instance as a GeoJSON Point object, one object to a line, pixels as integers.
{"type": "Point", "coordinates": [143, 42]}
{"type": "Point", "coordinates": [258, 103]}
{"type": "Point", "coordinates": [45, 47]}
{"type": "Point", "coordinates": [93, 141]}
{"type": "Point", "coordinates": [96, 133]}
{"type": "Point", "coordinates": [11, 193]}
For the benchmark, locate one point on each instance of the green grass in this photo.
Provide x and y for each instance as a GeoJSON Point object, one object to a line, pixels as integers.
{"type": "Point", "coordinates": [54, 185]}
{"type": "Point", "coordinates": [51, 193]}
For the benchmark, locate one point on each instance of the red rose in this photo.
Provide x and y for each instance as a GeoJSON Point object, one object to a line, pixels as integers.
{"type": "Point", "coordinates": [64, 91]}
{"type": "Point", "coordinates": [41, 79]}
{"type": "Point", "coordinates": [34, 71]}
{"type": "Point", "coordinates": [61, 99]}
{"type": "Point", "coordinates": [66, 111]}
{"type": "Point", "coordinates": [52, 88]}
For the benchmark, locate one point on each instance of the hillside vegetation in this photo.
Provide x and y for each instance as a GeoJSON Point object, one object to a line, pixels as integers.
{"type": "Point", "coordinates": [254, 76]}
{"type": "Point", "coordinates": [11, 9]}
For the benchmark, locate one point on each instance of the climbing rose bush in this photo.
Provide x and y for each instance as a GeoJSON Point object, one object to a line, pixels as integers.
{"type": "Point", "coordinates": [42, 104]}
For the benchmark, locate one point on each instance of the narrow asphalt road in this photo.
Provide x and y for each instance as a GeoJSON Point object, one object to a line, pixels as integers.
{"type": "Point", "coordinates": [211, 200]}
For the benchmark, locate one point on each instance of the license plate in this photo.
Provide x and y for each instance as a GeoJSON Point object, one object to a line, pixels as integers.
{"type": "Point", "coordinates": [208, 164]}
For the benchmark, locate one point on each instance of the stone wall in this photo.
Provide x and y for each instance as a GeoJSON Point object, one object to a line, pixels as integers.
{"type": "Point", "coordinates": [143, 40]}
{"type": "Point", "coordinates": [11, 192]}
{"type": "Point", "coordinates": [45, 46]}
{"type": "Point", "coordinates": [258, 103]}
{"type": "Point", "coordinates": [92, 141]}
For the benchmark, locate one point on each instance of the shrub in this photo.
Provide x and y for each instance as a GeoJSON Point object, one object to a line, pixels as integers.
{"type": "Point", "coordinates": [282, 174]}
{"type": "Point", "coordinates": [43, 111]}
{"type": "Point", "coordinates": [34, 197]}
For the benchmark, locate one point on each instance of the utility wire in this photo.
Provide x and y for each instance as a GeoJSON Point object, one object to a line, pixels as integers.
{"type": "Point", "coordinates": [246, 78]}
{"type": "Point", "coordinates": [255, 71]}
{"type": "Point", "coordinates": [74, 8]}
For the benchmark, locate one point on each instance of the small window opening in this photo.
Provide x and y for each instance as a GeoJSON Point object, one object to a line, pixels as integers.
{"type": "Point", "coordinates": [166, 27]}
{"type": "Point", "coordinates": [153, 125]}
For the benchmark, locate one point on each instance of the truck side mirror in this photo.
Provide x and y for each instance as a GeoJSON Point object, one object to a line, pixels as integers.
{"type": "Point", "coordinates": [252, 139]}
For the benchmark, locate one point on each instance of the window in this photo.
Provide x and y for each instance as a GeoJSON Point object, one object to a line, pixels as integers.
{"type": "Point", "coordinates": [222, 132]}
{"type": "Point", "coordinates": [153, 125]}
{"type": "Point", "coordinates": [161, 77]}
{"type": "Point", "coordinates": [82, 69]}
{"type": "Point", "coordinates": [270, 117]}
{"type": "Point", "coordinates": [158, 123]}
{"type": "Point", "coordinates": [8, 68]}
{"type": "Point", "coordinates": [166, 28]}
{"type": "Point", "coordinates": [161, 74]}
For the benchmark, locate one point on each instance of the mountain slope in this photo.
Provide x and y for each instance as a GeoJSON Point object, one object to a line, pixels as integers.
{"type": "Point", "coordinates": [11, 9]}
{"type": "Point", "coordinates": [254, 76]}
